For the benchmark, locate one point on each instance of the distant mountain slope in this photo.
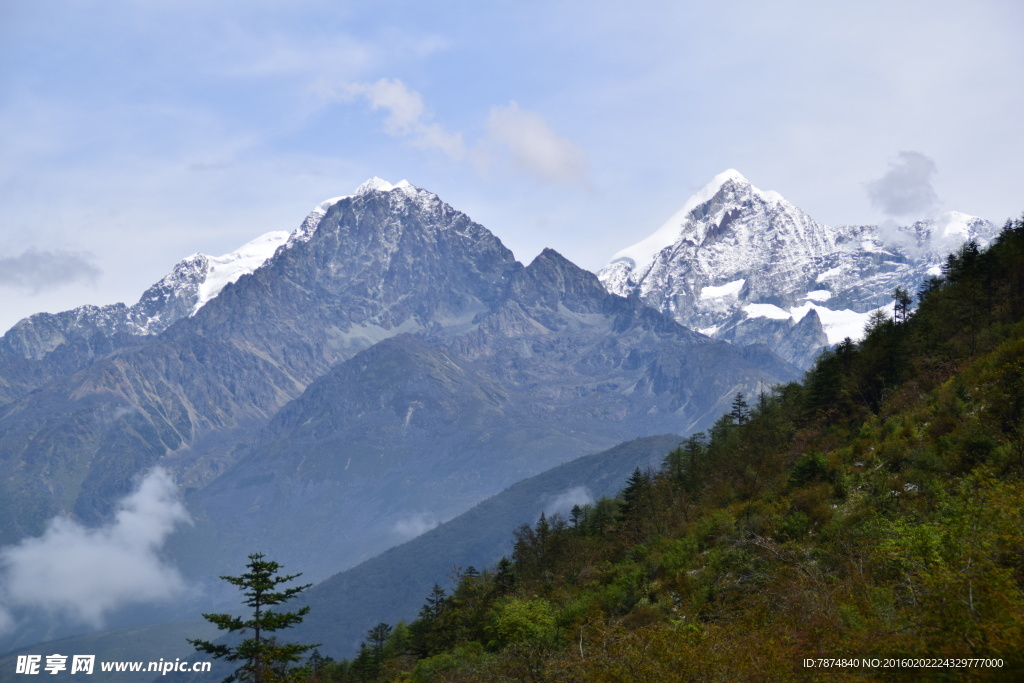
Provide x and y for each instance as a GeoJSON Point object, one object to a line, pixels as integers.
{"type": "Point", "coordinates": [426, 426]}
{"type": "Point", "coordinates": [745, 265]}
{"type": "Point", "coordinates": [393, 585]}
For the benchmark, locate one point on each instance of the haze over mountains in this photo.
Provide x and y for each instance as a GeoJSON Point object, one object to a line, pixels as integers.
{"type": "Point", "coordinates": [328, 394]}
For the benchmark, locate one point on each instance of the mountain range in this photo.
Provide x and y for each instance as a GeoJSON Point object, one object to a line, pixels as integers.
{"type": "Point", "coordinates": [327, 394]}
{"type": "Point", "coordinates": [387, 367]}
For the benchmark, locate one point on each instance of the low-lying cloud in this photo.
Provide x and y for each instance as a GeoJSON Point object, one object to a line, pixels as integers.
{"type": "Point", "coordinates": [412, 526]}
{"type": "Point", "coordinates": [38, 270]}
{"type": "Point", "coordinates": [82, 574]}
{"type": "Point", "coordinates": [563, 502]}
{"type": "Point", "coordinates": [906, 188]}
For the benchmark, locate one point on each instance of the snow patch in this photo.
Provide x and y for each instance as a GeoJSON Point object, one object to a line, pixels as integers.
{"type": "Point", "coordinates": [829, 274]}
{"type": "Point", "coordinates": [223, 270]}
{"type": "Point", "coordinates": [838, 325]}
{"type": "Point", "coordinates": [765, 311]}
{"type": "Point", "coordinates": [818, 295]}
{"type": "Point", "coordinates": [728, 289]}
{"type": "Point", "coordinates": [374, 184]}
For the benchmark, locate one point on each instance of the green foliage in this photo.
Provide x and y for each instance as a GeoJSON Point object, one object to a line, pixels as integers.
{"type": "Point", "coordinates": [263, 658]}
{"type": "Point", "coordinates": [525, 621]}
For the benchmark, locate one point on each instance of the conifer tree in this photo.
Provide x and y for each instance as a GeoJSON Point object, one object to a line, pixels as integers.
{"type": "Point", "coordinates": [901, 310]}
{"type": "Point", "coordinates": [740, 411]}
{"type": "Point", "coordinates": [263, 658]}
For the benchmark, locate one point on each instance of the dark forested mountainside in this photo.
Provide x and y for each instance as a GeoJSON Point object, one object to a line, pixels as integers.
{"type": "Point", "coordinates": [874, 510]}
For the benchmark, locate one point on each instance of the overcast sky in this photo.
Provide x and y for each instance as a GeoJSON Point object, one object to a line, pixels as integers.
{"type": "Point", "coordinates": [136, 132]}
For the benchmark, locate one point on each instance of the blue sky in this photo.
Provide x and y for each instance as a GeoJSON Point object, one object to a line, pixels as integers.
{"type": "Point", "coordinates": [136, 132]}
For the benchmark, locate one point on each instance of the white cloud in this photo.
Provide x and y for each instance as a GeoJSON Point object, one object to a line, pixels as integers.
{"type": "Point", "coordinates": [906, 188]}
{"type": "Point", "coordinates": [535, 147]}
{"type": "Point", "coordinates": [404, 106]}
{"type": "Point", "coordinates": [414, 525]}
{"type": "Point", "coordinates": [564, 501]}
{"type": "Point", "coordinates": [405, 115]}
{"type": "Point", "coordinates": [82, 574]}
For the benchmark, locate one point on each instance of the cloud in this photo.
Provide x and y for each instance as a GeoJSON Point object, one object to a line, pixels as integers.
{"type": "Point", "coordinates": [564, 502]}
{"type": "Point", "coordinates": [906, 188]}
{"type": "Point", "coordinates": [83, 573]}
{"type": "Point", "coordinates": [36, 271]}
{"type": "Point", "coordinates": [414, 525]}
{"type": "Point", "coordinates": [535, 147]}
{"type": "Point", "coordinates": [405, 114]}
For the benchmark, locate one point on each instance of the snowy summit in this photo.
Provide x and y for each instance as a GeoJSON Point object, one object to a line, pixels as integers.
{"type": "Point", "coordinates": [745, 265]}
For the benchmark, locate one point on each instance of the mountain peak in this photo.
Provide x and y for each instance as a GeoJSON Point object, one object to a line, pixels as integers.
{"type": "Point", "coordinates": [643, 252]}
{"type": "Point", "coordinates": [376, 184]}
{"type": "Point", "coordinates": [726, 175]}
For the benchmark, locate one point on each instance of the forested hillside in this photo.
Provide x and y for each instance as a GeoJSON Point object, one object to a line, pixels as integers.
{"type": "Point", "coordinates": [874, 510]}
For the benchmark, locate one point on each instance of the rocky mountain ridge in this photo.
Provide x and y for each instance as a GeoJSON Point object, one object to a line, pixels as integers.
{"type": "Point", "coordinates": [745, 265]}
{"type": "Point", "coordinates": [423, 426]}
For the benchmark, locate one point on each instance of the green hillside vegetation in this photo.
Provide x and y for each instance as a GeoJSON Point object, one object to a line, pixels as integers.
{"type": "Point", "coordinates": [876, 509]}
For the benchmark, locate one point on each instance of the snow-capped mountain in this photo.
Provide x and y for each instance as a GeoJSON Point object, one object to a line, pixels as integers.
{"type": "Point", "coordinates": [391, 359]}
{"type": "Point", "coordinates": [190, 285]}
{"type": "Point", "coordinates": [745, 265]}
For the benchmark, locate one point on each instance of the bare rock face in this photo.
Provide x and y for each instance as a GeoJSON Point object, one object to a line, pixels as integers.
{"type": "Point", "coordinates": [747, 266]}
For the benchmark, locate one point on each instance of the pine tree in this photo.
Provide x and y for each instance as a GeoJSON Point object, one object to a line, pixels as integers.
{"type": "Point", "coordinates": [504, 575]}
{"type": "Point", "coordinates": [378, 635]}
{"type": "Point", "coordinates": [901, 310]}
{"type": "Point", "coordinates": [575, 515]}
{"type": "Point", "coordinates": [740, 411]}
{"type": "Point", "coordinates": [637, 488]}
{"type": "Point", "coordinates": [435, 601]}
{"type": "Point", "coordinates": [264, 659]}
